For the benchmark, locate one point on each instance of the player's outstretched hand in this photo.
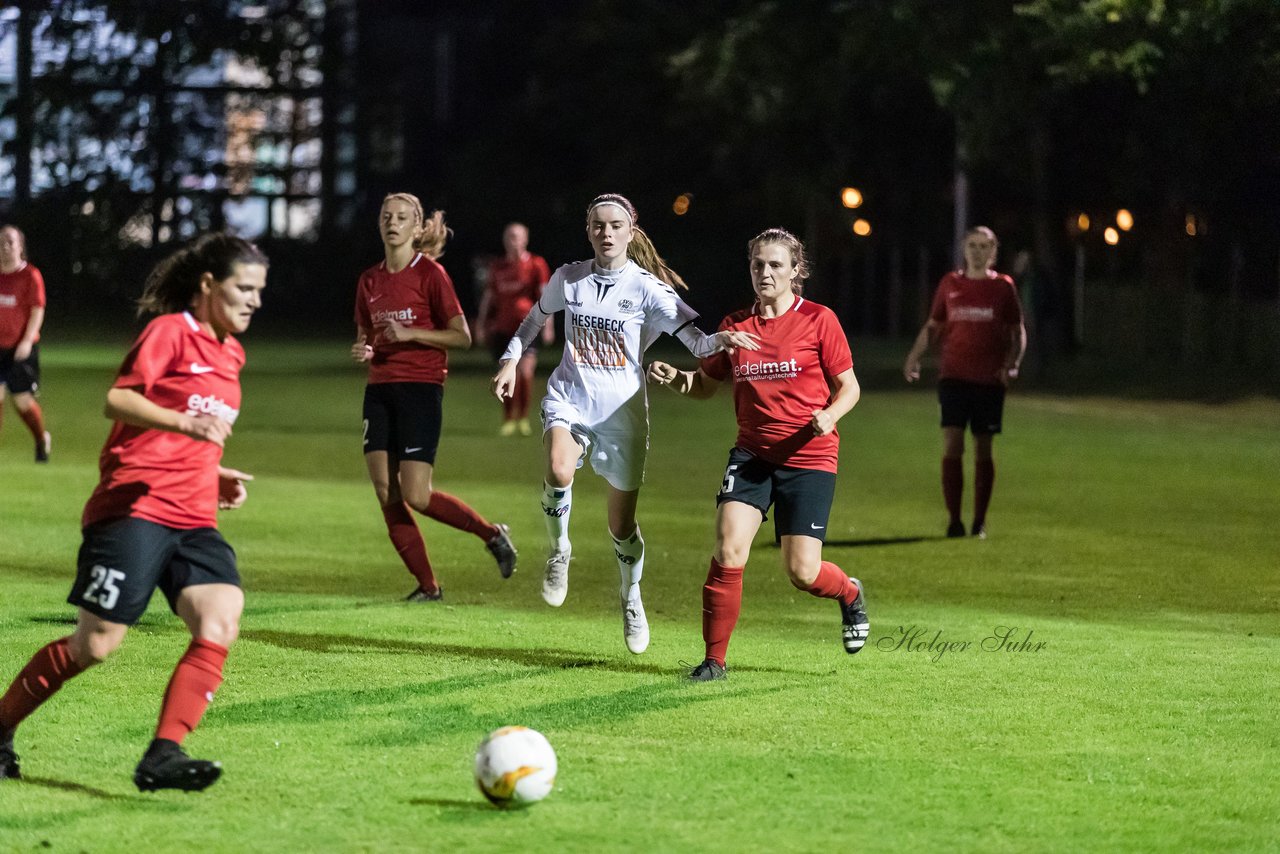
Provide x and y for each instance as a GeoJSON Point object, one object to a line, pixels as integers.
{"type": "Point", "coordinates": [911, 370]}
{"type": "Point", "coordinates": [504, 381]}
{"type": "Point", "coordinates": [660, 373]}
{"type": "Point", "coordinates": [231, 489]}
{"type": "Point", "coordinates": [732, 340]}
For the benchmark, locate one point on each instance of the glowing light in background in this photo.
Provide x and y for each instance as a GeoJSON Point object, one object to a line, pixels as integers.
{"type": "Point", "coordinates": [1082, 222]}
{"type": "Point", "coordinates": [680, 206]}
{"type": "Point", "coordinates": [850, 197]}
{"type": "Point", "coordinates": [861, 227]}
{"type": "Point", "coordinates": [1111, 236]}
{"type": "Point", "coordinates": [1124, 219]}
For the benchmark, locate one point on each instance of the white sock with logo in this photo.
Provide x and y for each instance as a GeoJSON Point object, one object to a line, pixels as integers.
{"type": "Point", "coordinates": [557, 501]}
{"type": "Point", "coordinates": [630, 555]}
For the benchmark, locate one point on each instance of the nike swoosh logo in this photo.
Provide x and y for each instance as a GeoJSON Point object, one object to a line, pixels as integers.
{"type": "Point", "coordinates": [376, 298]}
{"type": "Point", "coordinates": [816, 527]}
{"type": "Point", "coordinates": [197, 368]}
{"type": "Point", "coordinates": [412, 450]}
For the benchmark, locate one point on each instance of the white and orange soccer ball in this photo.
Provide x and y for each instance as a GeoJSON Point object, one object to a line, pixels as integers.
{"type": "Point", "coordinates": [515, 766]}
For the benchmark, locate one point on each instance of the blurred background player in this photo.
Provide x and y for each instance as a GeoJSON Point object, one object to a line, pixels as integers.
{"type": "Point", "coordinates": [976, 318]}
{"type": "Point", "coordinates": [788, 396]}
{"type": "Point", "coordinates": [512, 285]}
{"type": "Point", "coordinates": [21, 316]}
{"type": "Point", "coordinates": [152, 520]}
{"type": "Point", "coordinates": [407, 318]}
{"type": "Point", "coordinates": [597, 407]}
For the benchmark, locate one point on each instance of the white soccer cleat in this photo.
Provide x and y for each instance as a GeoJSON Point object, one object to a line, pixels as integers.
{"type": "Point", "coordinates": [635, 626]}
{"type": "Point", "coordinates": [555, 579]}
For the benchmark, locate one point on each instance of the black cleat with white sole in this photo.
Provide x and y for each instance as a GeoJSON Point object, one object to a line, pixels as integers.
{"type": "Point", "coordinates": [165, 766]}
{"type": "Point", "coordinates": [707, 671]}
{"type": "Point", "coordinates": [854, 625]}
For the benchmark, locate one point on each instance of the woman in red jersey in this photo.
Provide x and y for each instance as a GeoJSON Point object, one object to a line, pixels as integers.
{"type": "Point", "coordinates": [407, 318]}
{"type": "Point", "coordinates": [977, 318]}
{"type": "Point", "coordinates": [788, 396]}
{"type": "Point", "coordinates": [21, 316]}
{"type": "Point", "coordinates": [513, 286]}
{"type": "Point", "coordinates": [151, 521]}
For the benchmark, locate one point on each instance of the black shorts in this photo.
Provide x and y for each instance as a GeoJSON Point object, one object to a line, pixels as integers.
{"type": "Point", "coordinates": [123, 561]}
{"type": "Point", "coordinates": [803, 496]}
{"type": "Point", "coordinates": [404, 420]}
{"type": "Point", "coordinates": [21, 376]}
{"type": "Point", "coordinates": [977, 406]}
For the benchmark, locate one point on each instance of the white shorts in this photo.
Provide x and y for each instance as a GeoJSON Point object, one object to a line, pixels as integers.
{"type": "Point", "coordinates": [616, 447]}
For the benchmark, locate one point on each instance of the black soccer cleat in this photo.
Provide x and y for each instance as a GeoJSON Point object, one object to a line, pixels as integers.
{"type": "Point", "coordinates": [422, 594]}
{"type": "Point", "coordinates": [503, 550]}
{"type": "Point", "coordinates": [707, 671]}
{"type": "Point", "coordinates": [979, 530]}
{"type": "Point", "coordinates": [854, 625]}
{"type": "Point", "coordinates": [8, 758]}
{"type": "Point", "coordinates": [955, 529]}
{"type": "Point", "coordinates": [165, 766]}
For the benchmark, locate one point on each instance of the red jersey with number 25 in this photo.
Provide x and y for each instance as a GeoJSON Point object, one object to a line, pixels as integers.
{"type": "Point", "coordinates": [157, 475]}
{"type": "Point", "coordinates": [421, 296]}
{"type": "Point", "coordinates": [977, 316]}
{"type": "Point", "coordinates": [777, 388]}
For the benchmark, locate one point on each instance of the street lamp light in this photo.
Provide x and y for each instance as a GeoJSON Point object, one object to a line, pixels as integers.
{"type": "Point", "coordinates": [861, 227]}
{"type": "Point", "coordinates": [851, 197]}
{"type": "Point", "coordinates": [680, 206]}
{"type": "Point", "coordinates": [1124, 219]}
{"type": "Point", "coordinates": [1111, 236]}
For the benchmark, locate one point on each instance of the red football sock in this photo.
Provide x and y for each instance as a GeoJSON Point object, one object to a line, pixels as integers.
{"type": "Point", "coordinates": [37, 682]}
{"type": "Point", "coordinates": [34, 419]}
{"type": "Point", "coordinates": [520, 399]}
{"type": "Point", "coordinates": [509, 403]}
{"type": "Point", "coordinates": [191, 689]}
{"type": "Point", "coordinates": [455, 513]}
{"type": "Point", "coordinates": [721, 604]}
{"type": "Point", "coordinates": [833, 583]}
{"type": "Point", "coordinates": [407, 539]}
{"type": "Point", "coordinates": [984, 478]}
{"type": "Point", "coordinates": [953, 485]}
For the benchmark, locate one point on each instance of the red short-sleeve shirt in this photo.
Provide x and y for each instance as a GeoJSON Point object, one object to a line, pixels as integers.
{"type": "Point", "coordinates": [777, 388]}
{"type": "Point", "coordinates": [157, 475]}
{"type": "Point", "coordinates": [20, 291]}
{"type": "Point", "coordinates": [514, 286]}
{"type": "Point", "coordinates": [977, 317]}
{"type": "Point", "coordinates": [421, 296]}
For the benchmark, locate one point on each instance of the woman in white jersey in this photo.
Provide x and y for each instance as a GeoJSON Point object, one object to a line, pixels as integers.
{"type": "Point", "coordinates": [596, 408]}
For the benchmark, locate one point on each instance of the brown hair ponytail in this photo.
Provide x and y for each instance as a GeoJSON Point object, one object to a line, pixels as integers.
{"type": "Point", "coordinates": [641, 249]}
{"type": "Point", "coordinates": [174, 282]}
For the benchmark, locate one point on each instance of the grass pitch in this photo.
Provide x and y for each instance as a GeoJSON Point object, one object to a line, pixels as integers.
{"type": "Point", "coordinates": [1099, 674]}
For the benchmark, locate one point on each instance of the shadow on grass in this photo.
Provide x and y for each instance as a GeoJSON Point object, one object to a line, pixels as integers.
{"type": "Point", "coordinates": [75, 788]}
{"type": "Point", "coordinates": [451, 804]}
{"type": "Point", "coordinates": [880, 541]}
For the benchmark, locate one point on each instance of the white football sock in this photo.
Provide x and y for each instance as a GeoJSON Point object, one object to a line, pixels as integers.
{"type": "Point", "coordinates": [630, 555]}
{"type": "Point", "coordinates": [556, 504]}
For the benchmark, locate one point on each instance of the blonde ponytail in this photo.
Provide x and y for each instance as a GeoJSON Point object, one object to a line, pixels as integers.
{"type": "Point", "coordinates": [429, 234]}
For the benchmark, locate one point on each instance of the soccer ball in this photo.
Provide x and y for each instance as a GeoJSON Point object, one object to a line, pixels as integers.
{"type": "Point", "coordinates": [515, 766]}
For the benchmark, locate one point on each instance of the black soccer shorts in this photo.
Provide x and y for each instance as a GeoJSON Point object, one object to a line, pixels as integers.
{"type": "Point", "coordinates": [404, 419]}
{"type": "Point", "coordinates": [123, 561]}
{"type": "Point", "coordinates": [802, 497]}
{"type": "Point", "coordinates": [22, 376]}
{"type": "Point", "coordinates": [978, 406]}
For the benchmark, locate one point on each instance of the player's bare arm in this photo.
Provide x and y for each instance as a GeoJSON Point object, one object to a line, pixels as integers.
{"type": "Point", "coordinates": [694, 384]}
{"type": "Point", "coordinates": [928, 333]}
{"type": "Point", "coordinates": [129, 406]}
{"type": "Point", "coordinates": [845, 397]}
{"type": "Point", "coordinates": [231, 488]}
{"type": "Point", "coordinates": [456, 337]}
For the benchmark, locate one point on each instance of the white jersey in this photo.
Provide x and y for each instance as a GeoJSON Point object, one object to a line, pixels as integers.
{"type": "Point", "coordinates": [610, 319]}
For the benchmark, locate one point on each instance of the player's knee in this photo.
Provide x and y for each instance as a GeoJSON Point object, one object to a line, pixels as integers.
{"type": "Point", "coordinates": [93, 648]}
{"type": "Point", "coordinates": [222, 630]}
{"type": "Point", "coordinates": [560, 473]}
{"type": "Point", "coordinates": [731, 555]}
{"type": "Point", "coordinates": [418, 498]}
{"type": "Point", "coordinates": [801, 575]}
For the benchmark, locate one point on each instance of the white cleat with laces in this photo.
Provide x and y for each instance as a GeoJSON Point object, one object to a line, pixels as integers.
{"type": "Point", "coordinates": [635, 626]}
{"type": "Point", "coordinates": [555, 579]}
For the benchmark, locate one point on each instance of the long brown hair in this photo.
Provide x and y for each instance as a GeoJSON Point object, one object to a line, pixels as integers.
{"type": "Point", "coordinates": [173, 283]}
{"type": "Point", "coordinates": [429, 233]}
{"type": "Point", "coordinates": [641, 248]}
{"type": "Point", "coordinates": [799, 259]}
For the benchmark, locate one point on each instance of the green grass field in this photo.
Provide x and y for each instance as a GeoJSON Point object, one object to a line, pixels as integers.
{"type": "Point", "coordinates": [1134, 541]}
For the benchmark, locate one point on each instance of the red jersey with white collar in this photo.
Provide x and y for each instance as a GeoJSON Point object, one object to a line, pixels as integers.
{"type": "Point", "coordinates": [777, 388]}
{"type": "Point", "coordinates": [157, 475]}
{"type": "Point", "coordinates": [978, 317]}
{"type": "Point", "coordinates": [20, 291]}
{"type": "Point", "coordinates": [514, 286]}
{"type": "Point", "coordinates": [421, 296]}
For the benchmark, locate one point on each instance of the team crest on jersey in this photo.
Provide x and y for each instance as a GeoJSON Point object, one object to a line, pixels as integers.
{"type": "Point", "coordinates": [626, 305]}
